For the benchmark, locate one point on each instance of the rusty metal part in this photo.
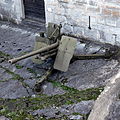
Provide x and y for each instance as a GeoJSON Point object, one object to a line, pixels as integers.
{"type": "Point", "coordinates": [90, 56]}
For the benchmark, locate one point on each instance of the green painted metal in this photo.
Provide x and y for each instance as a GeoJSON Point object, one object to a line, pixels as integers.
{"type": "Point", "coordinates": [52, 33]}
{"type": "Point", "coordinates": [40, 43]}
{"type": "Point", "coordinates": [65, 53]}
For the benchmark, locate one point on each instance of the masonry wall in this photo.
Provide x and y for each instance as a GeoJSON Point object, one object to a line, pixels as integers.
{"type": "Point", "coordinates": [11, 10]}
{"type": "Point", "coordinates": [74, 17]}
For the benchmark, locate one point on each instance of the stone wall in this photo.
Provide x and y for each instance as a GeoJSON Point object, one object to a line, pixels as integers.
{"type": "Point", "coordinates": [11, 10]}
{"type": "Point", "coordinates": [74, 16]}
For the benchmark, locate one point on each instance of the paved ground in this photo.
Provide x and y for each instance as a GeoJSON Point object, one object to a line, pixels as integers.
{"type": "Point", "coordinates": [64, 96]}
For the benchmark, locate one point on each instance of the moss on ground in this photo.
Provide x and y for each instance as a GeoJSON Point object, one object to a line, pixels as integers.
{"type": "Point", "coordinates": [18, 66]}
{"type": "Point", "coordinates": [17, 109]}
{"type": "Point", "coordinates": [14, 76]}
{"type": "Point", "coordinates": [4, 56]}
{"type": "Point", "coordinates": [32, 71]}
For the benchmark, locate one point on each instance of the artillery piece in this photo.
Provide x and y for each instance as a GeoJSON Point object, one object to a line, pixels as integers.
{"type": "Point", "coordinates": [61, 47]}
{"type": "Point", "coordinates": [52, 44]}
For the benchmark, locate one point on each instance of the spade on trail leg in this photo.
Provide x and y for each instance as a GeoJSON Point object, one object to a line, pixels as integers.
{"type": "Point", "coordinates": [65, 53]}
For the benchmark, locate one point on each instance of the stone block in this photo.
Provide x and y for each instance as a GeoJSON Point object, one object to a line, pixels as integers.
{"type": "Point", "coordinates": [12, 89]}
{"type": "Point", "coordinates": [78, 31]}
{"type": "Point", "coordinates": [115, 13]}
{"type": "Point", "coordinates": [79, 2]}
{"type": "Point", "coordinates": [111, 21]}
{"type": "Point", "coordinates": [3, 118]}
{"type": "Point", "coordinates": [64, 1]}
{"type": "Point", "coordinates": [93, 9]}
{"type": "Point", "coordinates": [93, 2]}
{"type": "Point", "coordinates": [92, 34]}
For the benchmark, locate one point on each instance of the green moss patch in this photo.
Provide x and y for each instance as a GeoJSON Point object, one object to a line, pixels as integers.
{"type": "Point", "coordinates": [2, 54]}
{"type": "Point", "coordinates": [18, 66]}
{"type": "Point", "coordinates": [19, 108]}
{"type": "Point", "coordinates": [32, 71]}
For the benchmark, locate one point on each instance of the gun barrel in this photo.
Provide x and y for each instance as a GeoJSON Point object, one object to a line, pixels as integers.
{"type": "Point", "coordinates": [49, 47]}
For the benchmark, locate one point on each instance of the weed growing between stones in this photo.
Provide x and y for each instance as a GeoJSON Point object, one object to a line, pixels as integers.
{"type": "Point", "coordinates": [15, 76]}
{"type": "Point", "coordinates": [31, 71]}
{"type": "Point", "coordinates": [18, 66]}
{"type": "Point", "coordinates": [94, 95]}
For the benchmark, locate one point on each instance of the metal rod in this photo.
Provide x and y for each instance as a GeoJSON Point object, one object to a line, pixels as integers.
{"type": "Point", "coordinates": [90, 56]}
{"type": "Point", "coordinates": [89, 23]}
{"type": "Point", "coordinates": [42, 79]}
{"type": "Point", "coordinates": [54, 32]}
